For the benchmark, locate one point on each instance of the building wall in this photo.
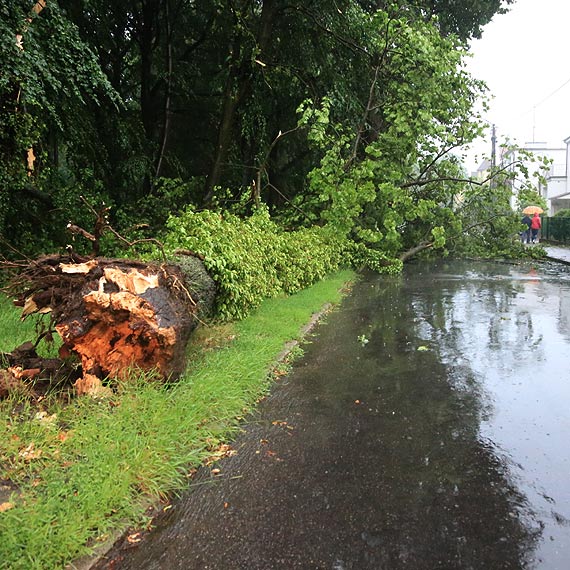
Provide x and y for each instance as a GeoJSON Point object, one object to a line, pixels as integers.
{"type": "Point", "coordinates": [557, 189]}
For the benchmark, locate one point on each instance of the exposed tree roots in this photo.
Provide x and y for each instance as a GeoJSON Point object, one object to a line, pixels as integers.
{"type": "Point", "coordinates": [112, 314]}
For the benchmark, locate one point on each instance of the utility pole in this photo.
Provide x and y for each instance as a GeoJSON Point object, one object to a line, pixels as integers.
{"type": "Point", "coordinates": [493, 147]}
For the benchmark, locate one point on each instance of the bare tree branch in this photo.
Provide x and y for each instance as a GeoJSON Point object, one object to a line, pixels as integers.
{"type": "Point", "coordinates": [457, 179]}
{"type": "Point", "coordinates": [262, 168]}
{"type": "Point", "coordinates": [414, 251]}
{"type": "Point", "coordinates": [289, 201]}
{"type": "Point", "coordinates": [102, 225]}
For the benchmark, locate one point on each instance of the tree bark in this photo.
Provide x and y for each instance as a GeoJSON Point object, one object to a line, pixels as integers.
{"type": "Point", "coordinates": [147, 37]}
{"type": "Point", "coordinates": [238, 86]}
{"type": "Point", "coordinates": [414, 251]}
{"type": "Point", "coordinates": [168, 95]}
{"type": "Point", "coordinates": [118, 314]}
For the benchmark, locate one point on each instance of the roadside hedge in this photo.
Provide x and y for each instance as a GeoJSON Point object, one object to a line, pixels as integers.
{"type": "Point", "coordinates": [253, 258]}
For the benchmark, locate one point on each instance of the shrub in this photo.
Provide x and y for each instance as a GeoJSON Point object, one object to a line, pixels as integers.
{"type": "Point", "coordinates": [374, 259]}
{"type": "Point", "coordinates": [253, 258]}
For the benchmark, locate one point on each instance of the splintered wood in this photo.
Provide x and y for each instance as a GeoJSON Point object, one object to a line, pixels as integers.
{"type": "Point", "coordinates": [115, 314]}
{"type": "Point", "coordinates": [126, 321]}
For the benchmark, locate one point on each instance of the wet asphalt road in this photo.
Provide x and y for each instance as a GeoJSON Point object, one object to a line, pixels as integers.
{"type": "Point", "coordinates": [426, 427]}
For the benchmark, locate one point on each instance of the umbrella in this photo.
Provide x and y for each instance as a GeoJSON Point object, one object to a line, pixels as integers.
{"type": "Point", "coordinates": [533, 210]}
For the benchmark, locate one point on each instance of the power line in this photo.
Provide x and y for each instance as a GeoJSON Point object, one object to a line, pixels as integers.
{"type": "Point", "coordinates": [533, 108]}
{"type": "Point", "coordinates": [553, 93]}
{"type": "Point", "coordinates": [541, 102]}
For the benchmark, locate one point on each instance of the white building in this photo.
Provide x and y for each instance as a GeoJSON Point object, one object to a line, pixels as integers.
{"type": "Point", "coordinates": [556, 191]}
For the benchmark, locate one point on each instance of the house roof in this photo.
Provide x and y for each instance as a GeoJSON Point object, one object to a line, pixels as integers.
{"type": "Point", "coordinates": [485, 165]}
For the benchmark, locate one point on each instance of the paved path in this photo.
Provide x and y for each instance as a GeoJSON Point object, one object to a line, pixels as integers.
{"type": "Point", "coordinates": [402, 440]}
{"type": "Point", "coordinates": [558, 253]}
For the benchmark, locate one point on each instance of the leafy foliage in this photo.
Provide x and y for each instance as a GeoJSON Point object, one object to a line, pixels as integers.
{"type": "Point", "coordinates": [252, 259]}
{"type": "Point", "coordinates": [49, 75]}
{"type": "Point", "coordinates": [390, 180]}
{"type": "Point", "coordinates": [340, 114]}
{"type": "Point", "coordinates": [465, 19]}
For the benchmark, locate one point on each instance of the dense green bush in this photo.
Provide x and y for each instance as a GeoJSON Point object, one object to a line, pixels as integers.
{"type": "Point", "coordinates": [373, 259]}
{"type": "Point", "coordinates": [253, 258]}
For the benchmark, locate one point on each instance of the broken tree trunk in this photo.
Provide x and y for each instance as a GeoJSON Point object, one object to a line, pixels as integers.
{"type": "Point", "coordinates": [118, 314]}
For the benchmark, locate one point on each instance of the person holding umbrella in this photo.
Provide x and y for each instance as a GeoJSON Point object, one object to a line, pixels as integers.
{"type": "Point", "coordinates": [525, 236]}
{"type": "Point", "coordinates": [535, 223]}
{"type": "Point", "coordinates": [535, 226]}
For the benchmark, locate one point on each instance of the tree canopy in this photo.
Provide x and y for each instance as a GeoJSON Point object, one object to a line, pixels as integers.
{"type": "Point", "coordinates": [339, 112]}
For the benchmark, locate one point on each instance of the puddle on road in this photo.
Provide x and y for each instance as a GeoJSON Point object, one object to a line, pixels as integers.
{"type": "Point", "coordinates": [426, 427]}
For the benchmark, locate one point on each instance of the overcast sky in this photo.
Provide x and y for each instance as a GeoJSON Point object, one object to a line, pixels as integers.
{"type": "Point", "coordinates": [524, 57]}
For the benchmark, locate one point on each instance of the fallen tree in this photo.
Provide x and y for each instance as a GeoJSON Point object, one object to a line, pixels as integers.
{"type": "Point", "coordinates": [116, 314]}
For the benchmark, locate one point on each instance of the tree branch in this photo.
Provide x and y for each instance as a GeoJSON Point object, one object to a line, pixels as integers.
{"type": "Point", "coordinates": [439, 155]}
{"type": "Point", "coordinates": [262, 169]}
{"type": "Point", "coordinates": [34, 192]}
{"type": "Point", "coordinates": [102, 225]}
{"type": "Point", "coordinates": [289, 201]}
{"type": "Point", "coordinates": [168, 95]}
{"type": "Point", "coordinates": [364, 117]}
{"type": "Point", "coordinates": [349, 44]}
{"type": "Point", "coordinates": [414, 250]}
{"type": "Point", "coordinates": [454, 179]}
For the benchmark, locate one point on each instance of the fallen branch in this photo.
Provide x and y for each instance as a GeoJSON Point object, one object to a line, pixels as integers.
{"type": "Point", "coordinates": [414, 251]}
{"type": "Point", "coordinates": [102, 225]}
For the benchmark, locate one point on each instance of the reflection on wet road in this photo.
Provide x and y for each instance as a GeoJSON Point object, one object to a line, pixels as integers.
{"type": "Point", "coordinates": [426, 427]}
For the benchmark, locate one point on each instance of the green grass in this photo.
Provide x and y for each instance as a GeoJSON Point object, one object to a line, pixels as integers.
{"type": "Point", "coordinates": [90, 468]}
{"type": "Point", "coordinates": [14, 331]}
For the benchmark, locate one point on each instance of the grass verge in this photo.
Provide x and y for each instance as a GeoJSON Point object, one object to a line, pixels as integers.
{"type": "Point", "coordinates": [71, 475]}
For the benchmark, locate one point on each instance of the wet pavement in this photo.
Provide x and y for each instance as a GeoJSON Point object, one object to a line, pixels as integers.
{"type": "Point", "coordinates": [426, 427]}
{"type": "Point", "coordinates": [558, 252]}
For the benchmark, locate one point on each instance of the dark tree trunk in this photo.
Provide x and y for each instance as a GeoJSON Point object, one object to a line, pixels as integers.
{"type": "Point", "coordinates": [147, 37]}
{"type": "Point", "coordinates": [168, 95]}
{"type": "Point", "coordinates": [238, 87]}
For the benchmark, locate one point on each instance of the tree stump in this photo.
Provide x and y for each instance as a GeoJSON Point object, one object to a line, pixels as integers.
{"type": "Point", "coordinates": [118, 314]}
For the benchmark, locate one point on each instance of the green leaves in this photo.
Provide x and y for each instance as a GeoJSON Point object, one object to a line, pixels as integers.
{"type": "Point", "coordinates": [47, 80]}
{"type": "Point", "coordinates": [389, 172]}
{"type": "Point", "coordinates": [252, 259]}
{"type": "Point", "coordinates": [380, 98]}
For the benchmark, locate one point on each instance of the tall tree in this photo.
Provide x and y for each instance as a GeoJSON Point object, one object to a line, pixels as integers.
{"type": "Point", "coordinates": [153, 104]}
{"type": "Point", "coordinates": [47, 77]}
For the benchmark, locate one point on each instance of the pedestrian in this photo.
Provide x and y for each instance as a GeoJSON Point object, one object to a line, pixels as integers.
{"type": "Point", "coordinates": [525, 236]}
{"type": "Point", "coordinates": [535, 226]}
